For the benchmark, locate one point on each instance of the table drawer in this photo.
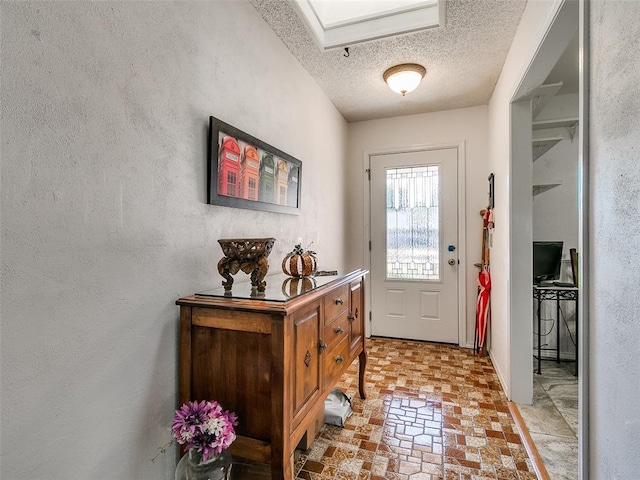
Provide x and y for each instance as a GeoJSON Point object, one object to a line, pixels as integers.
{"type": "Point", "coordinates": [335, 331]}
{"type": "Point", "coordinates": [335, 303]}
{"type": "Point", "coordinates": [335, 361]}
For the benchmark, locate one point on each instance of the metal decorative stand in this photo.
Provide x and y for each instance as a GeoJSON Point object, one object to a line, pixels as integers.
{"type": "Point", "coordinates": [558, 294]}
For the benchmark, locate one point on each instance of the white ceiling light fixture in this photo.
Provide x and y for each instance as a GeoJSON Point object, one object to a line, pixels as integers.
{"type": "Point", "coordinates": [404, 78]}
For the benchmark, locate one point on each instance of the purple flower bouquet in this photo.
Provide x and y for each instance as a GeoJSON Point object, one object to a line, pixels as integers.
{"type": "Point", "coordinates": [204, 427]}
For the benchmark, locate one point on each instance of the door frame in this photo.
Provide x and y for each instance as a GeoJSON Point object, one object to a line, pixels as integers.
{"type": "Point", "coordinates": [566, 12]}
{"type": "Point", "coordinates": [562, 25]}
{"type": "Point", "coordinates": [461, 224]}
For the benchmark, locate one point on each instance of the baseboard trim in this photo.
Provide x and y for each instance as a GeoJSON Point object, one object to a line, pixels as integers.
{"type": "Point", "coordinates": [529, 446]}
{"type": "Point", "coordinates": [505, 386]}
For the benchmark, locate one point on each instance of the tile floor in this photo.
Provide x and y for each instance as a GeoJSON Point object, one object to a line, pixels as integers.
{"type": "Point", "coordinates": [552, 420]}
{"type": "Point", "coordinates": [432, 412]}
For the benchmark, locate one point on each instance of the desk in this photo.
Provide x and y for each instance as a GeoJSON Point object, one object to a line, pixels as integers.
{"type": "Point", "coordinates": [556, 293]}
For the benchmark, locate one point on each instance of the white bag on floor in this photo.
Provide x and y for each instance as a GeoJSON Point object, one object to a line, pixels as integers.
{"type": "Point", "coordinates": [337, 408]}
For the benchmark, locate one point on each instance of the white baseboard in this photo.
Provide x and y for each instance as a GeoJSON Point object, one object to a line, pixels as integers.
{"type": "Point", "coordinates": [501, 378]}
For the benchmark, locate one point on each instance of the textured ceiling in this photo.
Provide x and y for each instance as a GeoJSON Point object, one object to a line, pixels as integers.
{"type": "Point", "coordinates": [463, 59]}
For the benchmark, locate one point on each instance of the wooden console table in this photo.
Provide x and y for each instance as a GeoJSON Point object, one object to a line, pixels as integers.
{"type": "Point", "coordinates": [272, 358]}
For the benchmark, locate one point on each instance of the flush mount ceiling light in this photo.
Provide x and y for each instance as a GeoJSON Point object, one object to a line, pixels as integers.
{"type": "Point", "coordinates": [404, 78]}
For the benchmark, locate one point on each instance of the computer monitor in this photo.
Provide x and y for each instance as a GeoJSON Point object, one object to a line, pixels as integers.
{"type": "Point", "coordinates": [547, 260]}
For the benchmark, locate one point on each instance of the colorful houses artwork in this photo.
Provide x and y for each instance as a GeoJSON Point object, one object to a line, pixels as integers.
{"type": "Point", "coordinates": [292, 185]}
{"type": "Point", "coordinates": [228, 167]}
{"type": "Point", "coordinates": [267, 187]}
{"type": "Point", "coordinates": [251, 171]}
{"type": "Point", "coordinates": [282, 182]}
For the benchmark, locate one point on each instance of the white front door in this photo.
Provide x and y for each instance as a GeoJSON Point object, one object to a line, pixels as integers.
{"type": "Point", "coordinates": [414, 250]}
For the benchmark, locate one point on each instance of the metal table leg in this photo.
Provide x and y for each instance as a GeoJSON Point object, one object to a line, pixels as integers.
{"type": "Point", "coordinates": [539, 337]}
{"type": "Point", "coordinates": [577, 332]}
{"type": "Point", "coordinates": [557, 327]}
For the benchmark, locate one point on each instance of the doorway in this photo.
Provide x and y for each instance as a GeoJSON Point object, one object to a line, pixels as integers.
{"type": "Point", "coordinates": [416, 243]}
{"type": "Point", "coordinates": [528, 181]}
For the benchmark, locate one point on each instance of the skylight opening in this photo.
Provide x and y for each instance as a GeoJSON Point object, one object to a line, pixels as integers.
{"type": "Point", "coordinates": [337, 23]}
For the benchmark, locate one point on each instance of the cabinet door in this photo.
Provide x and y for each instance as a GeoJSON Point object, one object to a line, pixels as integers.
{"type": "Point", "coordinates": [355, 314]}
{"type": "Point", "coordinates": [306, 331]}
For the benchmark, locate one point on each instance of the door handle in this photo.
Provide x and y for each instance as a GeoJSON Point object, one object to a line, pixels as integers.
{"type": "Point", "coordinates": [452, 261]}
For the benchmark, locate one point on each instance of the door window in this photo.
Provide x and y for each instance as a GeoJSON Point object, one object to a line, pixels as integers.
{"type": "Point", "coordinates": [413, 224]}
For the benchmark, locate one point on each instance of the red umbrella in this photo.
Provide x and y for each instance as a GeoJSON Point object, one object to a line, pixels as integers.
{"type": "Point", "coordinates": [482, 308]}
{"type": "Point", "coordinates": [484, 283]}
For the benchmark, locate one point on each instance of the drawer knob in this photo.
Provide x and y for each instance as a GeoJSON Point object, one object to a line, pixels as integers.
{"type": "Point", "coordinates": [339, 329]}
{"type": "Point", "coordinates": [339, 359]}
{"type": "Point", "coordinates": [322, 346]}
{"type": "Point", "coordinates": [351, 317]}
{"type": "Point", "coordinates": [339, 301]}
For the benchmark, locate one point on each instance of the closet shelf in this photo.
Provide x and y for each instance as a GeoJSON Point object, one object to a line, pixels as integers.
{"type": "Point", "coordinates": [555, 123]}
{"type": "Point", "coordinates": [543, 145]}
{"type": "Point", "coordinates": [544, 187]}
{"type": "Point", "coordinates": [542, 96]}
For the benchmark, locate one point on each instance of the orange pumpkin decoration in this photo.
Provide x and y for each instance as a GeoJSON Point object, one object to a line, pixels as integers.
{"type": "Point", "coordinates": [299, 263]}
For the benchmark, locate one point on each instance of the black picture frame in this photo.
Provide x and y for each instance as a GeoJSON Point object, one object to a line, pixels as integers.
{"type": "Point", "coordinates": [245, 172]}
{"type": "Point", "coordinates": [492, 198]}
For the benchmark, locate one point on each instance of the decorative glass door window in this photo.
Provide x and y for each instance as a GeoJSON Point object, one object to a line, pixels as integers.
{"type": "Point", "coordinates": [413, 223]}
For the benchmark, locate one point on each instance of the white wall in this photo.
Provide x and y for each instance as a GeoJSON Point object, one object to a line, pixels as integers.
{"type": "Point", "coordinates": [614, 235]}
{"type": "Point", "coordinates": [105, 224]}
{"type": "Point", "coordinates": [510, 334]}
{"type": "Point", "coordinates": [467, 125]}
{"type": "Point", "coordinates": [555, 212]}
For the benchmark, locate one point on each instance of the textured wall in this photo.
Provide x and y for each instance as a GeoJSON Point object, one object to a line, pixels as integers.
{"type": "Point", "coordinates": [614, 323]}
{"type": "Point", "coordinates": [509, 335]}
{"type": "Point", "coordinates": [105, 224]}
{"type": "Point", "coordinates": [467, 125]}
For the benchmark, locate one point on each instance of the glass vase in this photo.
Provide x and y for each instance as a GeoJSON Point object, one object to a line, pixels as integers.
{"type": "Point", "coordinates": [191, 467]}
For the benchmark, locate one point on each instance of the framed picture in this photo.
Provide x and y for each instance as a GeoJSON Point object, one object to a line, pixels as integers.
{"type": "Point", "coordinates": [492, 198]}
{"type": "Point", "coordinates": [245, 172]}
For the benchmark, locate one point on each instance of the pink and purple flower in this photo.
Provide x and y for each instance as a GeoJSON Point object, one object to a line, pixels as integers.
{"type": "Point", "coordinates": [205, 427]}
